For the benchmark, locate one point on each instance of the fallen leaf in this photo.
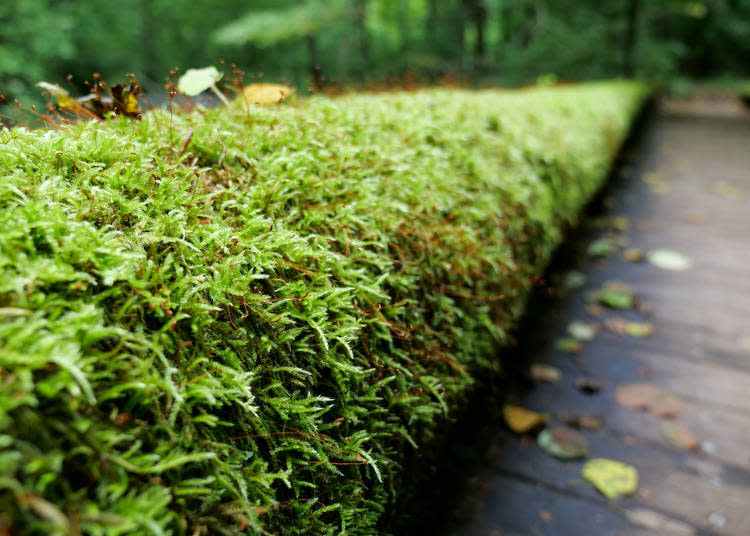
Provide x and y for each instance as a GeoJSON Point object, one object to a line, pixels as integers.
{"type": "Point", "coordinates": [666, 259]}
{"type": "Point", "coordinates": [693, 217]}
{"type": "Point", "coordinates": [656, 182]}
{"type": "Point", "coordinates": [616, 325]}
{"type": "Point", "coordinates": [648, 519]}
{"type": "Point", "coordinates": [613, 479]}
{"type": "Point", "coordinates": [588, 422]}
{"type": "Point", "coordinates": [603, 247]}
{"type": "Point", "coordinates": [568, 345]}
{"type": "Point", "coordinates": [522, 420]}
{"type": "Point", "coordinates": [621, 223]}
{"type": "Point", "coordinates": [639, 329]}
{"type": "Point", "coordinates": [678, 436]}
{"type": "Point", "coordinates": [573, 280]}
{"type": "Point", "coordinates": [665, 405]}
{"type": "Point", "coordinates": [563, 443]}
{"type": "Point", "coordinates": [545, 516]}
{"type": "Point", "coordinates": [725, 190]}
{"type": "Point", "coordinates": [649, 397]}
{"type": "Point", "coordinates": [265, 94]}
{"type": "Point", "coordinates": [594, 310]}
{"type": "Point", "coordinates": [590, 386]}
{"type": "Point", "coordinates": [615, 295]}
{"type": "Point", "coordinates": [582, 331]}
{"type": "Point", "coordinates": [634, 255]}
{"type": "Point", "coordinates": [636, 395]}
{"type": "Point", "coordinates": [545, 373]}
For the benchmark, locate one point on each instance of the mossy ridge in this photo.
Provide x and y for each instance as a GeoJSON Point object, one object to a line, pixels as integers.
{"type": "Point", "coordinates": [246, 335]}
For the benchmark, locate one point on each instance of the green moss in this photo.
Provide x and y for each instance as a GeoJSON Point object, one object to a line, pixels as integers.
{"type": "Point", "coordinates": [249, 335]}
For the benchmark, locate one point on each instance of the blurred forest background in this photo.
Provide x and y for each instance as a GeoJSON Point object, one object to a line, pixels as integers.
{"type": "Point", "coordinates": [353, 42]}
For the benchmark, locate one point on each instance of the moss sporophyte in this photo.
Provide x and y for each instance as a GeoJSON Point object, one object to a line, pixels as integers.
{"type": "Point", "coordinates": [247, 331]}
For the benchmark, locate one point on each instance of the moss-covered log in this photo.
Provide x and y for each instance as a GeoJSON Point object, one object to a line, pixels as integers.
{"type": "Point", "coordinates": [237, 321]}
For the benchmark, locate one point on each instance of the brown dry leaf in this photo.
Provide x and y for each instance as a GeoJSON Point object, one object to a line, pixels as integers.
{"type": "Point", "coordinates": [582, 422]}
{"type": "Point", "coordinates": [693, 217]}
{"type": "Point", "coordinates": [665, 405]}
{"type": "Point", "coordinates": [522, 420]}
{"type": "Point", "coordinates": [545, 516]}
{"type": "Point", "coordinates": [617, 325]}
{"type": "Point", "coordinates": [265, 94]}
{"type": "Point", "coordinates": [636, 395]}
{"type": "Point", "coordinates": [678, 436]}
{"type": "Point", "coordinates": [590, 386]}
{"type": "Point", "coordinates": [594, 310]}
{"type": "Point", "coordinates": [634, 255]}
{"type": "Point", "coordinates": [569, 345]}
{"type": "Point", "coordinates": [649, 397]}
{"type": "Point", "coordinates": [545, 373]}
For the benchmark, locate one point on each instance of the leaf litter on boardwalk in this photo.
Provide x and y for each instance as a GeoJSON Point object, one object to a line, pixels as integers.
{"type": "Point", "coordinates": [668, 259]}
{"type": "Point", "coordinates": [613, 479]}
{"type": "Point", "coordinates": [522, 420]}
{"type": "Point", "coordinates": [541, 372]}
{"type": "Point", "coordinates": [649, 519]}
{"type": "Point", "coordinates": [646, 396]}
{"type": "Point", "coordinates": [615, 295]}
{"type": "Point", "coordinates": [563, 443]}
{"type": "Point", "coordinates": [582, 331]}
{"type": "Point", "coordinates": [678, 436]}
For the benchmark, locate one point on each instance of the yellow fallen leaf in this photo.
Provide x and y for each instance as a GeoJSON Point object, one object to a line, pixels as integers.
{"type": "Point", "coordinates": [265, 94]}
{"type": "Point", "coordinates": [613, 479]}
{"type": "Point", "coordinates": [522, 420]}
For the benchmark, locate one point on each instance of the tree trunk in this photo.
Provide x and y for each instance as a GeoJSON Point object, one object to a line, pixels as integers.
{"type": "Point", "coordinates": [315, 71]}
{"type": "Point", "coordinates": [364, 44]}
{"type": "Point", "coordinates": [631, 38]}
{"type": "Point", "coordinates": [477, 12]}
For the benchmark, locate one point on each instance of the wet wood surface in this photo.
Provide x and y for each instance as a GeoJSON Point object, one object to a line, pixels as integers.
{"type": "Point", "coordinates": [687, 190]}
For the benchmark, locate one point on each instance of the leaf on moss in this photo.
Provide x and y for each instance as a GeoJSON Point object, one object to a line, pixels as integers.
{"type": "Point", "coordinates": [64, 100]}
{"type": "Point", "coordinates": [265, 94]}
{"type": "Point", "coordinates": [613, 479]}
{"type": "Point", "coordinates": [522, 420]}
{"type": "Point", "coordinates": [563, 443]}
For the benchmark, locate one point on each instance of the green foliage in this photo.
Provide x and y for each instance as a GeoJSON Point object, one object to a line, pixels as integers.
{"type": "Point", "coordinates": [234, 322]}
{"type": "Point", "coordinates": [268, 27]}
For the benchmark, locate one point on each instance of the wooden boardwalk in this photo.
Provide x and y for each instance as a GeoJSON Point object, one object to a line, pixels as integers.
{"type": "Point", "coordinates": [688, 190]}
